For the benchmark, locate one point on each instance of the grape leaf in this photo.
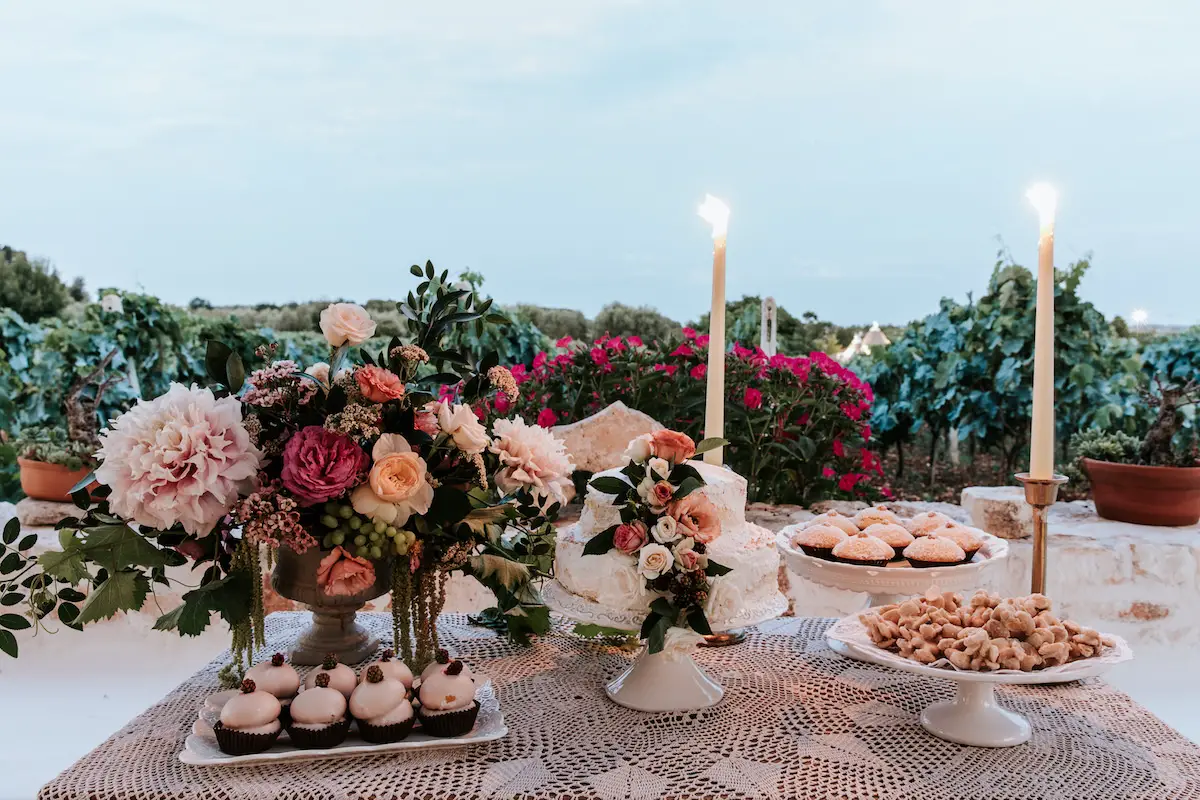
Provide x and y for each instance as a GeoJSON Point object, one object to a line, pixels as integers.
{"type": "Point", "coordinates": [124, 590]}
{"type": "Point", "coordinates": [66, 565]}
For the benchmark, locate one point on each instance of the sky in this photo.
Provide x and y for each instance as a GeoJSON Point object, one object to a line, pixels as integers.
{"type": "Point", "coordinates": [875, 154]}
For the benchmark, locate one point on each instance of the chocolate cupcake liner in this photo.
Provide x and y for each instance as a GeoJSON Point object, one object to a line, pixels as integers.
{"type": "Point", "coordinates": [313, 739]}
{"type": "Point", "coordinates": [878, 562]}
{"type": "Point", "coordinates": [285, 713]}
{"type": "Point", "coordinates": [240, 743]}
{"type": "Point", "coordinates": [823, 553]}
{"type": "Point", "coordinates": [455, 723]}
{"type": "Point", "coordinates": [912, 562]}
{"type": "Point", "coordinates": [385, 734]}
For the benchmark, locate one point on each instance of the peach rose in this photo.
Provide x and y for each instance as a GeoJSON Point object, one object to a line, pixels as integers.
{"type": "Point", "coordinates": [674, 446]}
{"type": "Point", "coordinates": [343, 574]}
{"type": "Point", "coordinates": [630, 537]}
{"type": "Point", "coordinates": [378, 384]}
{"type": "Point", "coordinates": [696, 516]}
{"type": "Point", "coordinates": [397, 487]}
{"type": "Point", "coordinates": [346, 323]}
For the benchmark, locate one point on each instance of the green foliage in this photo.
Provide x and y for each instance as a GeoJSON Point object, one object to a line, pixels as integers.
{"type": "Point", "coordinates": [554, 322]}
{"type": "Point", "coordinates": [617, 319]}
{"type": "Point", "coordinates": [1175, 358]}
{"type": "Point", "coordinates": [803, 334]}
{"type": "Point", "coordinates": [51, 446]}
{"type": "Point", "coordinates": [32, 288]}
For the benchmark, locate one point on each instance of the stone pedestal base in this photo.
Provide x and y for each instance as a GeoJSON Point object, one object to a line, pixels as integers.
{"type": "Point", "coordinates": [333, 631]}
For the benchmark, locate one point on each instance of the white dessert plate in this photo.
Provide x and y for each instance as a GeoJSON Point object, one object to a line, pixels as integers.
{"type": "Point", "coordinates": [896, 581]}
{"type": "Point", "coordinates": [201, 748]}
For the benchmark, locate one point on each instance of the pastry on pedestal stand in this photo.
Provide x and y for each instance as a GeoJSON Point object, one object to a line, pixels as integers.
{"type": "Point", "coordinates": [663, 681]}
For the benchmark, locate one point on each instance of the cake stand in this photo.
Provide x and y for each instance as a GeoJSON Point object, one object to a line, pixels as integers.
{"type": "Point", "coordinates": [662, 681]}
{"type": "Point", "coordinates": [972, 717]}
{"type": "Point", "coordinates": [893, 584]}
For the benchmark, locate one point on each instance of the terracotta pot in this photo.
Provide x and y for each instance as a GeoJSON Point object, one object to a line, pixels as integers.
{"type": "Point", "coordinates": [1167, 496]}
{"type": "Point", "coordinates": [333, 628]}
{"type": "Point", "coordinates": [52, 482]}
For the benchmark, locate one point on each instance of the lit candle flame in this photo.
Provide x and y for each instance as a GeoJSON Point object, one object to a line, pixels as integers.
{"type": "Point", "coordinates": [1045, 199]}
{"type": "Point", "coordinates": [715, 213]}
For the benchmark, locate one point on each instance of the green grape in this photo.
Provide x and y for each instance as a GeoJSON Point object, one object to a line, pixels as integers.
{"type": "Point", "coordinates": [376, 552]}
{"type": "Point", "coordinates": [391, 531]}
{"type": "Point", "coordinates": [360, 540]}
{"type": "Point", "coordinates": [331, 508]}
{"type": "Point", "coordinates": [345, 512]}
{"type": "Point", "coordinates": [401, 547]}
{"type": "Point", "coordinates": [327, 543]}
{"type": "Point", "coordinates": [374, 537]}
{"type": "Point", "coordinates": [337, 537]}
{"type": "Point", "coordinates": [329, 522]}
{"type": "Point", "coordinates": [355, 523]}
{"type": "Point", "coordinates": [380, 527]}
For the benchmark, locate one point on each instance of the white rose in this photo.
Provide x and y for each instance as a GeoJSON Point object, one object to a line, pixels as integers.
{"type": "Point", "coordinates": [660, 467]}
{"type": "Point", "coordinates": [113, 303]}
{"type": "Point", "coordinates": [680, 642]}
{"type": "Point", "coordinates": [346, 323]}
{"type": "Point", "coordinates": [654, 561]}
{"type": "Point", "coordinates": [724, 600]}
{"type": "Point", "coordinates": [639, 449]}
{"type": "Point", "coordinates": [461, 425]}
{"type": "Point", "coordinates": [666, 530]}
{"type": "Point", "coordinates": [320, 371]}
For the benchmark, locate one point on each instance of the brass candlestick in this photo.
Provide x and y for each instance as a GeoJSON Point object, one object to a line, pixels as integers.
{"type": "Point", "coordinates": [1041, 494]}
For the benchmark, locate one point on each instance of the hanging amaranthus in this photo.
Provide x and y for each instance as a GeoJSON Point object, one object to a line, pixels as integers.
{"type": "Point", "coordinates": [250, 633]}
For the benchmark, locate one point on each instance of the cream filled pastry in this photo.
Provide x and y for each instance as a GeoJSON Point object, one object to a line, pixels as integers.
{"type": "Point", "coordinates": [440, 661]}
{"type": "Point", "coordinates": [318, 707]}
{"type": "Point", "coordinates": [896, 536]}
{"type": "Point", "coordinates": [381, 706]}
{"type": "Point", "coordinates": [864, 550]}
{"type": "Point", "coordinates": [923, 523]}
{"type": "Point", "coordinates": [341, 677]}
{"type": "Point", "coordinates": [872, 516]}
{"type": "Point", "coordinates": [843, 523]}
{"type": "Point", "coordinates": [448, 705]}
{"type": "Point", "coordinates": [391, 668]}
{"type": "Point", "coordinates": [276, 677]}
{"type": "Point", "coordinates": [934, 550]}
{"type": "Point", "coordinates": [252, 711]}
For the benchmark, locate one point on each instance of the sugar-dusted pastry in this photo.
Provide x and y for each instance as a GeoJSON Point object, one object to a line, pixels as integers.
{"type": "Point", "coordinates": [871, 516]}
{"type": "Point", "coordinates": [964, 537]}
{"type": "Point", "coordinates": [380, 706]}
{"type": "Point", "coordinates": [392, 668]}
{"type": "Point", "coordinates": [896, 536]}
{"type": "Point", "coordinates": [249, 722]}
{"type": "Point", "coordinates": [448, 704]}
{"type": "Point", "coordinates": [864, 551]}
{"type": "Point", "coordinates": [934, 550]}
{"type": "Point", "coordinates": [844, 523]}
{"type": "Point", "coordinates": [818, 541]}
{"type": "Point", "coordinates": [319, 717]}
{"type": "Point", "coordinates": [927, 521]}
{"type": "Point", "coordinates": [341, 677]}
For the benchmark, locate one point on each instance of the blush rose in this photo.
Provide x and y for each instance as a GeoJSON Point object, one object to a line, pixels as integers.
{"type": "Point", "coordinates": [630, 536]}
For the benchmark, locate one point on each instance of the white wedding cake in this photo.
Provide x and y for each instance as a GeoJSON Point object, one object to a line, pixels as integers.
{"type": "Point", "coordinates": [612, 579]}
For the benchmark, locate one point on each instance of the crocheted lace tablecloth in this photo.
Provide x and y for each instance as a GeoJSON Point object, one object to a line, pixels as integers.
{"type": "Point", "coordinates": [797, 721]}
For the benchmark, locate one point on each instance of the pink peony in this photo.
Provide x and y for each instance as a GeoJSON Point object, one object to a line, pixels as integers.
{"type": "Point", "coordinates": [674, 446]}
{"type": "Point", "coordinates": [531, 458]}
{"type": "Point", "coordinates": [547, 418]}
{"type": "Point", "coordinates": [696, 517]}
{"type": "Point", "coordinates": [319, 465]}
{"type": "Point", "coordinates": [630, 537]}
{"type": "Point", "coordinates": [752, 399]}
{"type": "Point", "coordinates": [699, 371]}
{"type": "Point", "coordinates": [378, 384]}
{"type": "Point", "coordinates": [343, 574]}
{"type": "Point", "coordinates": [180, 459]}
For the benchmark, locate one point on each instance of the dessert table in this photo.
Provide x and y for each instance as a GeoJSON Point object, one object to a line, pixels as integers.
{"type": "Point", "coordinates": [797, 721]}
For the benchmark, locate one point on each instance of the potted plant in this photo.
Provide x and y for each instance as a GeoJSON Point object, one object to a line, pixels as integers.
{"type": "Point", "coordinates": [1155, 481]}
{"type": "Point", "coordinates": [50, 462]}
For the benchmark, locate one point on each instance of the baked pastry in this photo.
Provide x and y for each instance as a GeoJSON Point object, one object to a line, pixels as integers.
{"type": "Point", "coordinates": [818, 541]}
{"type": "Point", "coordinates": [249, 722]}
{"type": "Point", "coordinates": [391, 668]}
{"type": "Point", "coordinates": [871, 516]}
{"type": "Point", "coordinates": [319, 717]}
{"type": "Point", "coordinates": [964, 537]}
{"type": "Point", "coordinates": [896, 536]}
{"type": "Point", "coordinates": [279, 678]}
{"type": "Point", "coordinates": [440, 660]}
{"type": "Point", "coordinates": [927, 521]}
{"type": "Point", "coordinates": [934, 550]}
{"type": "Point", "coordinates": [864, 551]}
{"type": "Point", "coordinates": [844, 523]}
{"type": "Point", "coordinates": [448, 704]}
{"type": "Point", "coordinates": [341, 677]}
{"type": "Point", "coordinates": [381, 708]}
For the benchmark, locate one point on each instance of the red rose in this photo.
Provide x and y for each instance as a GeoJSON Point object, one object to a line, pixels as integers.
{"type": "Point", "coordinates": [319, 465]}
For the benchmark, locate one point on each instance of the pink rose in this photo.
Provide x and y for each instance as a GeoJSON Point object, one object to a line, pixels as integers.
{"type": "Point", "coordinates": [599, 357]}
{"type": "Point", "coordinates": [346, 323]}
{"type": "Point", "coordinates": [502, 404]}
{"type": "Point", "coordinates": [546, 418]}
{"type": "Point", "coordinates": [378, 384]}
{"type": "Point", "coordinates": [688, 560]}
{"type": "Point", "coordinates": [752, 399]}
{"type": "Point", "coordinates": [662, 493]}
{"type": "Point", "coordinates": [425, 420]}
{"type": "Point", "coordinates": [674, 446]}
{"type": "Point", "coordinates": [319, 465]}
{"type": "Point", "coordinates": [630, 537]}
{"type": "Point", "coordinates": [699, 371]}
{"type": "Point", "coordinates": [839, 449]}
{"type": "Point", "coordinates": [343, 574]}
{"type": "Point", "coordinates": [696, 517]}
{"type": "Point", "coordinates": [828, 472]}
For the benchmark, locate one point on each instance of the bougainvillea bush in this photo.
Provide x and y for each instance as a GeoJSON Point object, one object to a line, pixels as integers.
{"type": "Point", "coordinates": [798, 427]}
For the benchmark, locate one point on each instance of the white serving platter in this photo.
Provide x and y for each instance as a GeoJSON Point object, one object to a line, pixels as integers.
{"type": "Point", "coordinates": [201, 748]}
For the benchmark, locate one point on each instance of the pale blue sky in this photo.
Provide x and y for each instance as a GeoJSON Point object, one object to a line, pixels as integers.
{"type": "Point", "coordinates": [274, 150]}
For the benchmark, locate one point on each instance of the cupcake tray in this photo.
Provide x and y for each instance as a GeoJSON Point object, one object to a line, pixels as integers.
{"type": "Point", "coordinates": [898, 580]}
{"type": "Point", "coordinates": [201, 749]}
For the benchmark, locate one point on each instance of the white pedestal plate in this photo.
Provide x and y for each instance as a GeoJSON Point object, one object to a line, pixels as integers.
{"type": "Point", "coordinates": [972, 717]}
{"type": "Point", "coordinates": [663, 681]}
{"type": "Point", "coordinates": [893, 584]}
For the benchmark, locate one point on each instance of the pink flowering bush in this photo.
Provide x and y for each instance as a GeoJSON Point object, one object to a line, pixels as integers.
{"type": "Point", "coordinates": [798, 426]}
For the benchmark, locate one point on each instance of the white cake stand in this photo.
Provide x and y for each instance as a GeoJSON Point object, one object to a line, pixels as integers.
{"type": "Point", "coordinates": [972, 717]}
{"type": "Point", "coordinates": [663, 681]}
{"type": "Point", "coordinates": [893, 584]}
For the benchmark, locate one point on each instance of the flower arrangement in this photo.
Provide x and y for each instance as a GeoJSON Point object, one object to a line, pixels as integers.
{"type": "Point", "coordinates": [358, 460]}
{"type": "Point", "coordinates": [799, 427]}
{"type": "Point", "coordinates": [667, 526]}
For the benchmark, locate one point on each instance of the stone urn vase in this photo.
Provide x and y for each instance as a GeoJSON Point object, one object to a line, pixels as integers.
{"type": "Point", "coordinates": [1168, 496]}
{"type": "Point", "coordinates": [333, 629]}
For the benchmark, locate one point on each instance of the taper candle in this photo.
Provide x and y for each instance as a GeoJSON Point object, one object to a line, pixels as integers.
{"type": "Point", "coordinates": [716, 213]}
{"type": "Point", "coordinates": [1041, 439]}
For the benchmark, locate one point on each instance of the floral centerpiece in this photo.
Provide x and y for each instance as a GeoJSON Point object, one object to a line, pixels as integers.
{"type": "Point", "coordinates": [667, 526]}
{"type": "Point", "coordinates": [380, 467]}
